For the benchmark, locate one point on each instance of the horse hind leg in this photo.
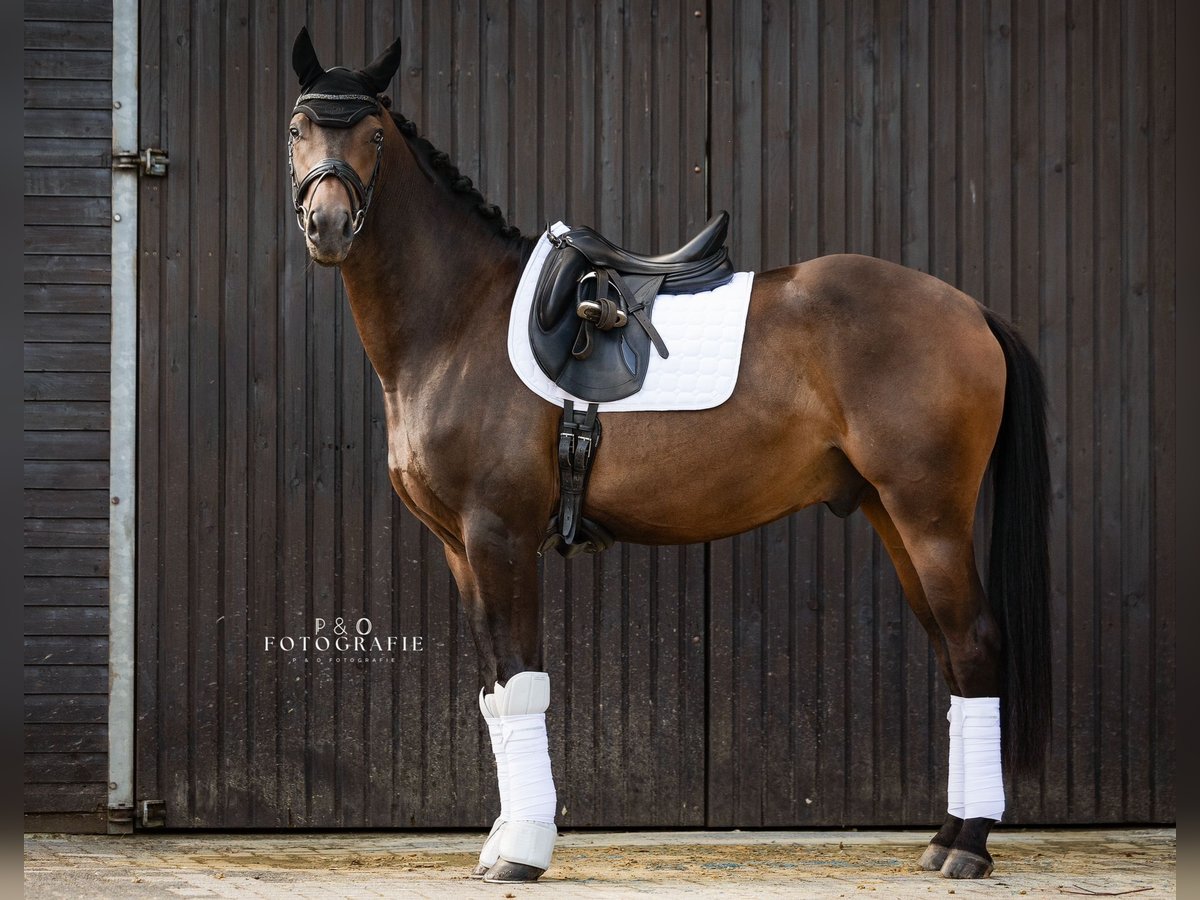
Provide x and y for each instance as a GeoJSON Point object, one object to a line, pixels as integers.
{"type": "Point", "coordinates": [937, 535]}
{"type": "Point", "coordinates": [939, 846]}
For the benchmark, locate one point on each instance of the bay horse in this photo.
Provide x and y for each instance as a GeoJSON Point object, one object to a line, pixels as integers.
{"type": "Point", "coordinates": [863, 385]}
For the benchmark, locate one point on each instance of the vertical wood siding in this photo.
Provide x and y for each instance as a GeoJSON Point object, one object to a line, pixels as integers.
{"type": "Point", "coordinates": [66, 302]}
{"type": "Point", "coordinates": [1022, 151]}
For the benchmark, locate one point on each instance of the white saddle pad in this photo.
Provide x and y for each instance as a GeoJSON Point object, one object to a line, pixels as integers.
{"type": "Point", "coordinates": [703, 333]}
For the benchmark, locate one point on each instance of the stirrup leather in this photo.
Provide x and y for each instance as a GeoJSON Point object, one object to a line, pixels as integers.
{"type": "Point", "coordinates": [569, 532]}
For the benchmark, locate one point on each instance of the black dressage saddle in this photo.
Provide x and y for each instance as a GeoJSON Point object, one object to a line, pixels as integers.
{"type": "Point", "coordinates": [590, 325]}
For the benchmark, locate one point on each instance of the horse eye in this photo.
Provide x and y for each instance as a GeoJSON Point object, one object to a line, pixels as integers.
{"type": "Point", "coordinates": [295, 131]}
{"type": "Point", "coordinates": [378, 138]}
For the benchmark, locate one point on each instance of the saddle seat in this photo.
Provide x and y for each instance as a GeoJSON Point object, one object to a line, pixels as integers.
{"type": "Point", "coordinates": [707, 243]}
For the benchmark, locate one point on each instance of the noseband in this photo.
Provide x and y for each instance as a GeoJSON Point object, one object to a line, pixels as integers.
{"type": "Point", "coordinates": [360, 195]}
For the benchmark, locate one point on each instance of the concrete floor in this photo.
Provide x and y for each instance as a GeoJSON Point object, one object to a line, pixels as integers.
{"type": "Point", "coordinates": [1110, 862]}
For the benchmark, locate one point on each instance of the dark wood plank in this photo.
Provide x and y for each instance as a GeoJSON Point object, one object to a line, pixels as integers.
{"type": "Point", "coordinates": [60, 591]}
{"type": "Point", "coordinates": [87, 562]}
{"type": "Point", "coordinates": [69, 476]}
{"type": "Point", "coordinates": [69, 709]}
{"type": "Point", "coordinates": [1163, 303]}
{"type": "Point", "coordinates": [149, 661]}
{"type": "Point", "coordinates": [49, 210]}
{"type": "Point", "coordinates": [67, 327]}
{"type": "Point", "coordinates": [1109, 473]}
{"type": "Point", "coordinates": [78, 239]}
{"type": "Point", "coordinates": [65, 768]}
{"type": "Point", "coordinates": [94, 822]}
{"type": "Point", "coordinates": [84, 415]}
{"type": "Point", "coordinates": [66, 798]}
{"type": "Point", "coordinates": [68, 10]}
{"type": "Point", "coordinates": [232, 666]}
{"type": "Point", "coordinates": [87, 65]}
{"type": "Point", "coordinates": [66, 680]}
{"type": "Point", "coordinates": [1053, 345]}
{"type": "Point", "coordinates": [66, 445]}
{"type": "Point", "coordinates": [176, 244]}
{"type": "Point", "coordinates": [1081, 501]}
{"type": "Point", "coordinates": [67, 357]}
{"type": "Point", "coordinates": [67, 298]}
{"type": "Point", "coordinates": [66, 533]}
{"type": "Point", "coordinates": [263, 254]}
{"type": "Point", "coordinates": [68, 182]}
{"type": "Point", "coordinates": [56, 93]}
{"type": "Point", "coordinates": [66, 386]}
{"type": "Point", "coordinates": [54, 737]}
{"type": "Point", "coordinates": [68, 123]}
{"type": "Point", "coordinates": [1136, 589]}
{"type": "Point", "coordinates": [63, 152]}
{"type": "Point", "coordinates": [68, 269]}
{"type": "Point", "coordinates": [66, 504]}
{"type": "Point", "coordinates": [43, 35]}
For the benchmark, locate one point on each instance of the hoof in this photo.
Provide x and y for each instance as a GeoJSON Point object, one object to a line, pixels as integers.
{"type": "Point", "coordinates": [965, 864]}
{"type": "Point", "coordinates": [479, 871]}
{"type": "Point", "coordinates": [505, 872]}
{"type": "Point", "coordinates": [934, 856]}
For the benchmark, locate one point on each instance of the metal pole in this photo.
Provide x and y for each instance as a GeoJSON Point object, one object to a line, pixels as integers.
{"type": "Point", "coordinates": [123, 416]}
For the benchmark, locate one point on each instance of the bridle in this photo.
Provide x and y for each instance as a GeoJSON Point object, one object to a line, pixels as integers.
{"type": "Point", "coordinates": [360, 195]}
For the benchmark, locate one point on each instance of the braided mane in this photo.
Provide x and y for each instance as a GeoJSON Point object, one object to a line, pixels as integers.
{"type": "Point", "coordinates": [441, 164]}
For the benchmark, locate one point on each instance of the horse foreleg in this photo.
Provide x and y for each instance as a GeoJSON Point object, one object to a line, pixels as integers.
{"type": "Point", "coordinates": [497, 578]}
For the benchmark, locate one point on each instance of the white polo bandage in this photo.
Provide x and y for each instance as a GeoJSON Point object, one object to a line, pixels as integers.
{"type": "Point", "coordinates": [529, 832]}
{"type": "Point", "coordinates": [491, 847]}
{"type": "Point", "coordinates": [521, 707]}
{"type": "Point", "coordinates": [983, 777]}
{"type": "Point", "coordinates": [954, 787]}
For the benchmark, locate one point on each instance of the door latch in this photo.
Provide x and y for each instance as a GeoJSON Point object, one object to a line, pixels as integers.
{"type": "Point", "coordinates": [150, 161]}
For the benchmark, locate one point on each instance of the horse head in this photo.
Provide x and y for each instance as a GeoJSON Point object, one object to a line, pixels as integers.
{"type": "Point", "coordinates": [335, 146]}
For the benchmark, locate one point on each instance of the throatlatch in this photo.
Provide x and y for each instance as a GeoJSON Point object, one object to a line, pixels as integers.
{"type": "Point", "coordinates": [578, 438]}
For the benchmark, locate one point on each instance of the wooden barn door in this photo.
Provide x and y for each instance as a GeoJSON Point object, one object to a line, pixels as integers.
{"type": "Point", "coordinates": [264, 497]}
{"type": "Point", "coordinates": [773, 679]}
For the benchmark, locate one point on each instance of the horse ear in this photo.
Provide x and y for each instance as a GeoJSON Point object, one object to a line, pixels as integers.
{"type": "Point", "coordinates": [304, 59]}
{"type": "Point", "coordinates": [379, 71]}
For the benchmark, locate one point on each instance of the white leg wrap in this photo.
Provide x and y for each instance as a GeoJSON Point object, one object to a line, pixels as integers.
{"type": "Point", "coordinates": [954, 789]}
{"type": "Point", "coordinates": [983, 778]}
{"type": "Point", "coordinates": [491, 847]}
{"type": "Point", "coordinates": [528, 834]}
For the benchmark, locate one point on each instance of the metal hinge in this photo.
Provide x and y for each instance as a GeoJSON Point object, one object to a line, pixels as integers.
{"type": "Point", "coordinates": [120, 819]}
{"type": "Point", "coordinates": [150, 161]}
{"type": "Point", "coordinates": [152, 813]}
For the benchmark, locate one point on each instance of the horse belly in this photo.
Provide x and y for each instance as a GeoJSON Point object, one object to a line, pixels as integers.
{"type": "Point", "coordinates": [685, 477]}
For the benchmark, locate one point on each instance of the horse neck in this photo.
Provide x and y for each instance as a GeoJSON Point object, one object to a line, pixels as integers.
{"type": "Point", "coordinates": [427, 274]}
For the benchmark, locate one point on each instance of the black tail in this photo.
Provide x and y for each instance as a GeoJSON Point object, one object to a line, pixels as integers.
{"type": "Point", "coordinates": [1019, 562]}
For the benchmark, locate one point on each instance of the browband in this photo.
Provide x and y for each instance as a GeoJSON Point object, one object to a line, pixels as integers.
{"type": "Point", "coordinates": [335, 110]}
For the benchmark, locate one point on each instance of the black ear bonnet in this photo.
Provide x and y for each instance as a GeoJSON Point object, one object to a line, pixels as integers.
{"type": "Point", "coordinates": [340, 97]}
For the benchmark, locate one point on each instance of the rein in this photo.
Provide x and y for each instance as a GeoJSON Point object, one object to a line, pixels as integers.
{"type": "Point", "coordinates": [360, 194]}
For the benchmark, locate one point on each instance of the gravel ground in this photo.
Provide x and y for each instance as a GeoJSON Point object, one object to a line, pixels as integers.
{"type": "Point", "coordinates": [1060, 863]}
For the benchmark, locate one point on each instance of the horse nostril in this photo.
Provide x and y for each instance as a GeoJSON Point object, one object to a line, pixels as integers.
{"type": "Point", "coordinates": [316, 221]}
{"type": "Point", "coordinates": [346, 229]}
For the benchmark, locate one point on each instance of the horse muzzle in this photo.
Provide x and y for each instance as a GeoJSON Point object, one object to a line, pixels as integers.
{"type": "Point", "coordinates": [329, 234]}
